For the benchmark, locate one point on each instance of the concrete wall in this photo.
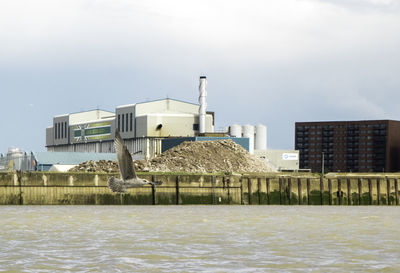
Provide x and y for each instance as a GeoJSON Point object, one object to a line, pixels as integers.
{"type": "Point", "coordinates": [46, 188]}
{"type": "Point", "coordinates": [280, 159]}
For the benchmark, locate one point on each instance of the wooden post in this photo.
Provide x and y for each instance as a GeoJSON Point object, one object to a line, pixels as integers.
{"type": "Point", "coordinates": [359, 190]}
{"type": "Point", "coordinates": [267, 182]}
{"type": "Point", "coordinates": [177, 189]}
{"type": "Point", "coordinates": [213, 182]}
{"type": "Point", "coordinates": [153, 191]}
{"type": "Point", "coordinates": [290, 190]}
{"type": "Point", "coordinates": [308, 191]}
{"type": "Point", "coordinates": [378, 190]}
{"type": "Point", "coordinates": [19, 177]}
{"type": "Point", "coordinates": [280, 190]}
{"type": "Point", "coordinates": [330, 191]}
{"type": "Point", "coordinates": [259, 190]}
{"type": "Point", "coordinates": [396, 187]}
{"type": "Point", "coordinates": [348, 191]}
{"type": "Point", "coordinates": [228, 185]}
{"type": "Point", "coordinates": [241, 191]}
{"type": "Point", "coordinates": [387, 190]}
{"type": "Point", "coordinates": [249, 189]}
{"type": "Point", "coordinates": [370, 190]}
{"type": "Point", "coordinates": [299, 190]}
{"type": "Point", "coordinates": [321, 188]}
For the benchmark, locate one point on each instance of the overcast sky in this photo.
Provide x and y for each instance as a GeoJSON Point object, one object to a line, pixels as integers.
{"type": "Point", "coordinates": [270, 62]}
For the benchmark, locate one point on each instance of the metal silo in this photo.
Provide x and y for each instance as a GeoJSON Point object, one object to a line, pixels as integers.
{"type": "Point", "coordinates": [248, 131]}
{"type": "Point", "coordinates": [261, 137]}
{"type": "Point", "coordinates": [235, 130]}
{"type": "Point", "coordinates": [15, 155]}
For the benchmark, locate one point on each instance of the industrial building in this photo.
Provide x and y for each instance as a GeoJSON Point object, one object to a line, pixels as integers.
{"type": "Point", "coordinates": [142, 126]}
{"type": "Point", "coordinates": [149, 128]}
{"type": "Point", "coordinates": [349, 146]}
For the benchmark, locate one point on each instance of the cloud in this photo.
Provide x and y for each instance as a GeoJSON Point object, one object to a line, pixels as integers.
{"type": "Point", "coordinates": [127, 31]}
{"type": "Point", "coordinates": [314, 59]}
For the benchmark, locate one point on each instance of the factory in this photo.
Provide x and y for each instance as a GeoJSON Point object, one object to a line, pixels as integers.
{"type": "Point", "coordinates": [142, 125]}
{"type": "Point", "coordinates": [148, 128]}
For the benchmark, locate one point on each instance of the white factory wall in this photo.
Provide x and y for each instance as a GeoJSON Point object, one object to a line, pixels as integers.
{"type": "Point", "coordinates": [166, 106]}
{"type": "Point", "coordinates": [172, 125]}
{"type": "Point", "coordinates": [280, 159]}
{"type": "Point", "coordinates": [83, 117]}
{"type": "Point", "coordinates": [141, 126]}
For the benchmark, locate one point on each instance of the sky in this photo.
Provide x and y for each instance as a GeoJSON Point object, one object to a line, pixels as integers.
{"type": "Point", "coordinates": [273, 62]}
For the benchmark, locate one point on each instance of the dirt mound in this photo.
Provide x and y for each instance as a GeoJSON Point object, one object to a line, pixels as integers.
{"type": "Point", "coordinates": [205, 157]}
{"type": "Point", "coordinates": [192, 157]}
{"type": "Point", "coordinates": [108, 166]}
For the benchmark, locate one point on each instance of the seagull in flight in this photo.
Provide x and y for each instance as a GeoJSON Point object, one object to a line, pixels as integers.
{"type": "Point", "coordinates": [126, 169]}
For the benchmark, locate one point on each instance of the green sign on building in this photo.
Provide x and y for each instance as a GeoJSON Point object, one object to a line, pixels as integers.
{"type": "Point", "coordinates": [92, 131]}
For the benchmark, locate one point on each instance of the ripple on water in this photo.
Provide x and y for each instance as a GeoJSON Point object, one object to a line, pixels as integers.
{"type": "Point", "coordinates": [198, 238]}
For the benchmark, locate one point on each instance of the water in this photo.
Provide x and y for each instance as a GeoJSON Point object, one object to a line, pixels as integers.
{"type": "Point", "coordinates": [199, 239]}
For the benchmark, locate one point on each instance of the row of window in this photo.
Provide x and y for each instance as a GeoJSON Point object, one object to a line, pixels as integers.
{"type": "Point", "coordinates": [340, 139]}
{"type": "Point", "coordinates": [349, 133]}
{"type": "Point", "coordinates": [125, 122]}
{"type": "Point", "coordinates": [60, 130]}
{"type": "Point", "coordinates": [348, 127]}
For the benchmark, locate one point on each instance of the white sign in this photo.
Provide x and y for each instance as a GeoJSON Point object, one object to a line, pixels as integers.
{"type": "Point", "coordinates": [290, 156]}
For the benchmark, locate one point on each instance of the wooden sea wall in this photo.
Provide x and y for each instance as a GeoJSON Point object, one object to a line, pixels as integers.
{"type": "Point", "coordinates": [49, 188]}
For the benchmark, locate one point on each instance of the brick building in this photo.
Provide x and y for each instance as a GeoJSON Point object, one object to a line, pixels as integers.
{"type": "Point", "coordinates": [349, 146]}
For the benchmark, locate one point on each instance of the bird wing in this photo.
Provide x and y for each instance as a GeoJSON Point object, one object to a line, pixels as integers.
{"type": "Point", "coordinates": [125, 162]}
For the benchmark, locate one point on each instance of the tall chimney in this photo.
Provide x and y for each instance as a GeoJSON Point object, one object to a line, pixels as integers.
{"type": "Point", "coordinates": [203, 104]}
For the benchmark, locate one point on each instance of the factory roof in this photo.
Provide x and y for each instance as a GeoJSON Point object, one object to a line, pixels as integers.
{"type": "Point", "coordinates": [167, 99]}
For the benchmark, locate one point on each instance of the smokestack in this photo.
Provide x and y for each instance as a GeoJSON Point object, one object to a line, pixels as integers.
{"type": "Point", "coordinates": [203, 104]}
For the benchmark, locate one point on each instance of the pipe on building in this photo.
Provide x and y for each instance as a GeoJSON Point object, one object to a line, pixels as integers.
{"type": "Point", "coordinates": [203, 104]}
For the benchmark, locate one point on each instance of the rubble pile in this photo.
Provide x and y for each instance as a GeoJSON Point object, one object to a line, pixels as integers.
{"type": "Point", "coordinates": [205, 157]}
{"type": "Point", "coordinates": [191, 157]}
{"type": "Point", "coordinates": [107, 166]}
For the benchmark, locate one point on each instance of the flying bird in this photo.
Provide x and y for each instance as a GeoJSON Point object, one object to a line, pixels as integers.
{"type": "Point", "coordinates": [126, 169]}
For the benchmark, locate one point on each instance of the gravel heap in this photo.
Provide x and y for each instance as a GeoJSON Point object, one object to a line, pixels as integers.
{"type": "Point", "coordinates": [205, 157]}
{"type": "Point", "coordinates": [192, 157]}
{"type": "Point", "coordinates": [107, 166]}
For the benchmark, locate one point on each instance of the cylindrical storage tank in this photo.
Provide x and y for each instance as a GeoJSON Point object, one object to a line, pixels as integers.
{"type": "Point", "coordinates": [235, 130]}
{"type": "Point", "coordinates": [261, 137]}
{"type": "Point", "coordinates": [248, 131]}
{"type": "Point", "coordinates": [16, 155]}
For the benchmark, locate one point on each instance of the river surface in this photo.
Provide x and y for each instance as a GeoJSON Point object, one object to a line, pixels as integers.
{"type": "Point", "coordinates": [199, 239]}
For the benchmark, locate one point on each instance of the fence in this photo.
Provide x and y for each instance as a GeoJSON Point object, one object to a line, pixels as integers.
{"type": "Point", "coordinates": [46, 188]}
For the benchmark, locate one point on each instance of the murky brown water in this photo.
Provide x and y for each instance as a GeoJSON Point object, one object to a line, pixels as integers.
{"type": "Point", "coordinates": [199, 239]}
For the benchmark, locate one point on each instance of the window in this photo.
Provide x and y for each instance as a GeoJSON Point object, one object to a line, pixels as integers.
{"type": "Point", "coordinates": [58, 130]}
{"type": "Point", "coordinates": [195, 127]}
{"type": "Point", "coordinates": [66, 130]}
{"type": "Point", "coordinates": [62, 129]}
{"type": "Point", "coordinates": [130, 124]}
{"type": "Point", "coordinates": [55, 130]}
{"type": "Point", "coordinates": [126, 117]}
{"type": "Point", "coordinates": [119, 119]}
{"type": "Point", "coordinates": [123, 123]}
